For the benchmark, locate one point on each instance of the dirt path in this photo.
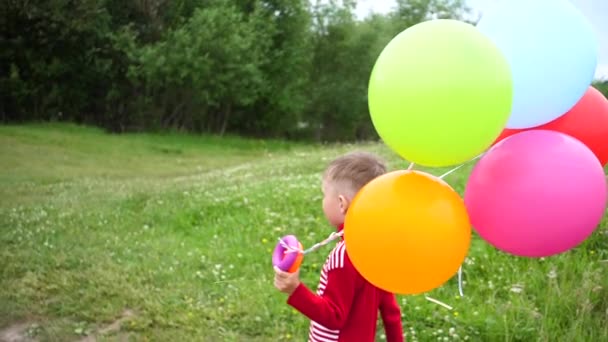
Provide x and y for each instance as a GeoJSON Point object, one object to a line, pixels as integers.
{"type": "Point", "coordinates": [112, 328]}
{"type": "Point", "coordinates": [16, 333]}
{"type": "Point", "coordinates": [20, 332]}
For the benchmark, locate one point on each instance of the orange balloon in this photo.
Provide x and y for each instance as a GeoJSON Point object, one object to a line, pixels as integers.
{"type": "Point", "coordinates": [407, 232]}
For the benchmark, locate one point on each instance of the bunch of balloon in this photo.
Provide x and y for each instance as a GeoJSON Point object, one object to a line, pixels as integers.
{"type": "Point", "coordinates": [439, 94]}
{"type": "Point", "coordinates": [540, 190]}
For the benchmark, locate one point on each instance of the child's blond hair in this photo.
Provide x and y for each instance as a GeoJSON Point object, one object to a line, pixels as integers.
{"type": "Point", "coordinates": [354, 170]}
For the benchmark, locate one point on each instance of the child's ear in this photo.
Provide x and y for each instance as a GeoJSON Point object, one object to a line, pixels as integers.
{"type": "Point", "coordinates": [344, 203]}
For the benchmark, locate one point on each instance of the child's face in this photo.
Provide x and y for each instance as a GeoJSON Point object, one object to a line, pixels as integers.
{"type": "Point", "coordinates": [334, 203]}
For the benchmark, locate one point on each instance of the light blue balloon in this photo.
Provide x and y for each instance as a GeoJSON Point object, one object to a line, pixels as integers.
{"type": "Point", "coordinates": [552, 51]}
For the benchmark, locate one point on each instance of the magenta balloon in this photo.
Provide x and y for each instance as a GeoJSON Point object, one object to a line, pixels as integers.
{"type": "Point", "coordinates": [537, 193]}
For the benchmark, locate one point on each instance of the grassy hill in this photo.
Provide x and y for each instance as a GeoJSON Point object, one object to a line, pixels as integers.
{"type": "Point", "coordinates": [151, 237]}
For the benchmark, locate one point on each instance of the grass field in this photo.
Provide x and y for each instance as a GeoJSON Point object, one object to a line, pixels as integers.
{"type": "Point", "coordinates": [169, 238]}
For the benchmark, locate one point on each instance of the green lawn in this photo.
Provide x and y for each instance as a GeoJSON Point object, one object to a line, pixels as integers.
{"type": "Point", "coordinates": [178, 230]}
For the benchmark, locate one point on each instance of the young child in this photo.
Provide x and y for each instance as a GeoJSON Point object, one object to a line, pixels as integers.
{"type": "Point", "coordinates": [345, 307]}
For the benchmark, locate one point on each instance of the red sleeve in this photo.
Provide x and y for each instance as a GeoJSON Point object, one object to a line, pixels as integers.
{"type": "Point", "coordinates": [391, 317]}
{"type": "Point", "coordinates": [332, 308]}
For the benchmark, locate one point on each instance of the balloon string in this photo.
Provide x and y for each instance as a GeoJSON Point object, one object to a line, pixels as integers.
{"type": "Point", "coordinates": [410, 167]}
{"type": "Point", "coordinates": [433, 300]}
{"type": "Point", "coordinates": [335, 235]}
{"type": "Point", "coordinates": [460, 290]}
{"type": "Point", "coordinates": [460, 282]}
{"type": "Point", "coordinates": [459, 166]}
{"type": "Point", "coordinates": [330, 238]}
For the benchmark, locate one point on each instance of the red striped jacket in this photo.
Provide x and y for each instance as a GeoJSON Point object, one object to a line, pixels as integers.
{"type": "Point", "coordinates": [345, 307]}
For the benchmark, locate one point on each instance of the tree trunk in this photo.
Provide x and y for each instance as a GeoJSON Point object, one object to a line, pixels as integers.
{"type": "Point", "coordinates": [225, 119]}
{"type": "Point", "coordinates": [172, 117]}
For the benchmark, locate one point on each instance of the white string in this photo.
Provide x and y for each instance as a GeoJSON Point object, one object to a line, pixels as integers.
{"type": "Point", "coordinates": [330, 238]}
{"type": "Point", "coordinates": [410, 167]}
{"type": "Point", "coordinates": [460, 290]}
{"type": "Point", "coordinates": [438, 302]}
{"type": "Point", "coordinates": [460, 282]}
{"type": "Point", "coordinates": [459, 166]}
{"type": "Point", "coordinates": [449, 172]}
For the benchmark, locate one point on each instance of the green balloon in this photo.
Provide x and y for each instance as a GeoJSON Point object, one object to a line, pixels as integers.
{"type": "Point", "coordinates": [440, 93]}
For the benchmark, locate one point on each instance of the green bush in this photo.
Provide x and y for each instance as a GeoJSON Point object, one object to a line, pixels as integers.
{"type": "Point", "coordinates": [270, 68]}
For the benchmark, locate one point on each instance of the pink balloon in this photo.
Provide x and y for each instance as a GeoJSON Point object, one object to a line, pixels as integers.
{"type": "Point", "coordinates": [537, 193]}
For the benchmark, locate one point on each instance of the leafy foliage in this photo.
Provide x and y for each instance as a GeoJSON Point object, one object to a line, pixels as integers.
{"type": "Point", "coordinates": [602, 86]}
{"type": "Point", "coordinates": [273, 68]}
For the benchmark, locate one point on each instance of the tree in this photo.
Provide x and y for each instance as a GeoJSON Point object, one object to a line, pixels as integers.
{"type": "Point", "coordinates": [201, 71]}
{"type": "Point", "coordinates": [281, 68]}
{"type": "Point", "coordinates": [52, 54]}
{"type": "Point", "coordinates": [602, 86]}
{"type": "Point", "coordinates": [283, 32]}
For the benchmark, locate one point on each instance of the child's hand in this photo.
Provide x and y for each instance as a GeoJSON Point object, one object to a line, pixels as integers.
{"type": "Point", "coordinates": [286, 282]}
